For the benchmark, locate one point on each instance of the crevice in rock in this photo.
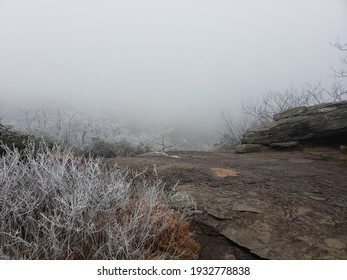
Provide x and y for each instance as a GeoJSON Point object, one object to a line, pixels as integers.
{"type": "Point", "coordinates": [215, 246]}
{"type": "Point", "coordinates": [333, 141]}
{"type": "Point", "coordinates": [245, 249]}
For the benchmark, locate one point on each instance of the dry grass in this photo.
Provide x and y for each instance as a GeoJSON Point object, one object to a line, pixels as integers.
{"type": "Point", "coordinates": [175, 239]}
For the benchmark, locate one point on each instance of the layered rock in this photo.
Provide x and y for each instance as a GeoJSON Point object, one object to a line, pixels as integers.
{"type": "Point", "coordinates": [325, 124]}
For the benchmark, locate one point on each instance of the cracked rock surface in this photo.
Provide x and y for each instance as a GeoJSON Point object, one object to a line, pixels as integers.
{"type": "Point", "coordinates": [271, 205]}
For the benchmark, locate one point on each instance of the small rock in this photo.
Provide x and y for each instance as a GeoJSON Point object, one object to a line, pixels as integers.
{"type": "Point", "coordinates": [174, 156]}
{"type": "Point", "coordinates": [248, 148]}
{"type": "Point", "coordinates": [155, 154]}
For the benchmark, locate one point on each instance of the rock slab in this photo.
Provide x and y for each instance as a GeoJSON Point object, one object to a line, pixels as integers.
{"type": "Point", "coordinates": [279, 206]}
{"type": "Point", "coordinates": [326, 123]}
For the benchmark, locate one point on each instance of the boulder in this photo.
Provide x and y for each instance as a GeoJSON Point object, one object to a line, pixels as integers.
{"type": "Point", "coordinates": [325, 124]}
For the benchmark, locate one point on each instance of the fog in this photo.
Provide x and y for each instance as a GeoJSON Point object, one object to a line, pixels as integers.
{"type": "Point", "coordinates": [182, 60]}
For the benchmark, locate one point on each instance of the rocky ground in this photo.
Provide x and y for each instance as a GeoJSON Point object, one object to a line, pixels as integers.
{"type": "Point", "coordinates": [268, 205]}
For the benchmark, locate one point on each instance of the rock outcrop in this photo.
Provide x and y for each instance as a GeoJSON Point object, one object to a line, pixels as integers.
{"type": "Point", "coordinates": [321, 124]}
{"type": "Point", "coordinates": [269, 205]}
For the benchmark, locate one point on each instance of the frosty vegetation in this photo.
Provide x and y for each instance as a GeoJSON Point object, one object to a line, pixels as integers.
{"type": "Point", "coordinates": [98, 134]}
{"type": "Point", "coordinates": [56, 206]}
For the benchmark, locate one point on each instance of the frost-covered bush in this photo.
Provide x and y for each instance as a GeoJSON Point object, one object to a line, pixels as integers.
{"type": "Point", "coordinates": [19, 140]}
{"type": "Point", "coordinates": [61, 207]}
{"type": "Point", "coordinates": [12, 138]}
{"type": "Point", "coordinates": [102, 148]}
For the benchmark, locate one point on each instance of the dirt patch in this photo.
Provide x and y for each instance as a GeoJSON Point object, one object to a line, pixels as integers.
{"type": "Point", "coordinates": [223, 172]}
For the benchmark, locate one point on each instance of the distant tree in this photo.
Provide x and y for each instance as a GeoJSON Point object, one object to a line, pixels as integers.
{"type": "Point", "coordinates": [164, 142]}
{"type": "Point", "coordinates": [342, 73]}
{"type": "Point", "coordinates": [232, 130]}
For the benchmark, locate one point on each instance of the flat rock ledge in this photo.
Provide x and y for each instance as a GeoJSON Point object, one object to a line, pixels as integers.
{"type": "Point", "coordinates": [269, 205]}
{"type": "Point", "coordinates": [324, 124]}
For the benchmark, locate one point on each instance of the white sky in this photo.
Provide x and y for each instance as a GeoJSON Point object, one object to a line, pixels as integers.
{"type": "Point", "coordinates": [164, 58]}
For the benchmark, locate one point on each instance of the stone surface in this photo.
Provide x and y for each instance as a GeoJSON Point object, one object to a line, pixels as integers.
{"type": "Point", "coordinates": [288, 205]}
{"type": "Point", "coordinates": [290, 113]}
{"type": "Point", "coordinates": [335, 243]}
{"type": "Point", "coordinates": [326, 123]}
{"type": "Point", "coordinates": [248, 148]}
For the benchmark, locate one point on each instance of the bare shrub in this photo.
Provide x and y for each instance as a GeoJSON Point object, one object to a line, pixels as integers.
{"type": "Point", "coordinates": [232, 131]}
{"type": "Point", "coordinates": [262, 109]}
{"type": "Point", "coordinates": [342, 73]}
{"type": "Point", "coordinates": [54, 208]}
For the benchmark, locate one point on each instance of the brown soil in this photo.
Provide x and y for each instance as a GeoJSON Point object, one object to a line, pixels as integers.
{"type": "Point", "coordinates": [271, 205]}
